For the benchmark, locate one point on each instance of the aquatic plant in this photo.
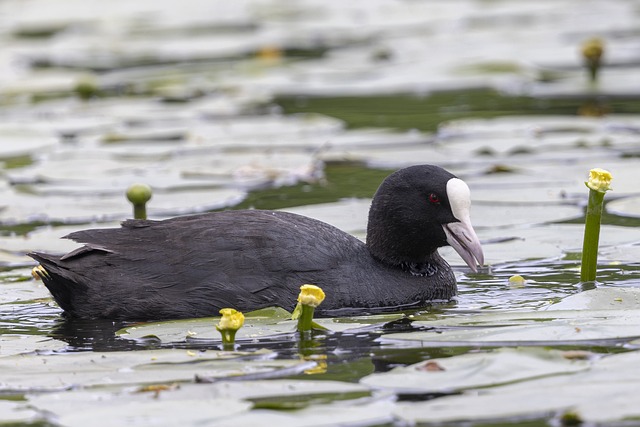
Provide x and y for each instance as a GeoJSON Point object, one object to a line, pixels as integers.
{"type": "Point", "coordinates": [592, 51]}
{"type": "Point", "coordinates": [310, 297]}
{"type": "Point", "coordinates": [229, 323]}
{"type": "Point", "coordinates": [599, 183]}
{"type": "Point", "coordinates": [139, 195]}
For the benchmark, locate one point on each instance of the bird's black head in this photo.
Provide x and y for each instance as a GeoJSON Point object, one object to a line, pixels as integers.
{"type": "Point", "coordinates": [415, 211]}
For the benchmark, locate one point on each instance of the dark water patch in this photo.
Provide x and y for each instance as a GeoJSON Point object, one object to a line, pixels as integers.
{"type": "Point", "coordinates": [607, 219]}
{"type": "Point", "coordinates": [341, 180]}
{"type": "Point", "coordinates": [409, 111]}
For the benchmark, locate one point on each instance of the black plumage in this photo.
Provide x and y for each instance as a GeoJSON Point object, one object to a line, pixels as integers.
{"type": "Point", "coordinates": [192, 266]}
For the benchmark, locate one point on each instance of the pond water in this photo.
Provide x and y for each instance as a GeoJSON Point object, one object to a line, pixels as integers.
{"type": "Point", "coordinates": [307, 106]}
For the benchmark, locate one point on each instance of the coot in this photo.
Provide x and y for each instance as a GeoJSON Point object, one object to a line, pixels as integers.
{"type": "Point", "coordinates": [192, 266]}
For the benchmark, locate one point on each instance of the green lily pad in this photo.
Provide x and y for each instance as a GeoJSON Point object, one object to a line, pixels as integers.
{"type": "Point", "coordinates": [625, 207]}
{"type": "Point", "coordinates": [258, 324]}
{"type": "Point", "coordinates": [625, 301]}
{"type": "Point", "coordinates": [15, 413]}
{"type": "Point", "coordinates": [603, 393]}
{"type": "Point", "coordinates": [127, 410]}
{"type": "Point", "coordinates": [369, 412]}
{"type": "Point", "coordinates": [18, 292]}
{"type": "Point", "coordinates": [474, 370]}
{"type": "Point", "coordinates": [28, 372]}
{"type": "Point", "coordinates": [265, 323]}
{"type": "Point", "coordinates": [18, 344]}
{"type": "Point", "coordinates": [275, 388]}
{"type": "Point", "coordinates": [603, 314]}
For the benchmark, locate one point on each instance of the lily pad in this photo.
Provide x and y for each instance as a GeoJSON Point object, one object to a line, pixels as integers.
{"type": "Point", "coordinates": [101, 409]}
{"type": "Point", "coordinates": [629, 207]}
{"type": "Point", "coordinates": [266, 323]}
{"type": "Point", "coordinates": [19, 344]}
{"type": "Point", "coordinates": [28, 372]}
{"type": "Point", "coordinates": [604, 393]}
{"type": "Point", "coordinates": [259, 324]}
{"type": "Point", "coordinates": [474, 370]}
{"type": "Point", "coordinates": [625, 301]}
{"type": "Point", "coordinates": [20, 292]}
{"type": "Point", "coordinates": [370, 412]}
{"type": "Point", "coordinates": [604, 315]}
{"type": "Point", "coordinates": [273, 389]}
{"type": "Point", "coordinates": [15, 413]}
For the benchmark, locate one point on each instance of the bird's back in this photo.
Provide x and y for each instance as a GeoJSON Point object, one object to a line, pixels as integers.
{"type": "Point", "coordinates": [192, 266]}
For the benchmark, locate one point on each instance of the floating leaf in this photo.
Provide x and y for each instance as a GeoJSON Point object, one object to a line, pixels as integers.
{"type": "Point", "coordinates": [474, 370]}
{"type": "Point", "coordinates": [258, 324]}
{"type": "Point", "coordinates": [27, 372]}
{"type": "Point", "coordinates": [17, 344]}
{"type": "Point", "coordinates": [603, 393]}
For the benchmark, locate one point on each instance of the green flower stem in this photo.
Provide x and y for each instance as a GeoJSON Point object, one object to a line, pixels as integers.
{"type": "Point", "coordinates": [593, 68]}
{"type": "Point", "coordinates": [592, 52]}
{"type": "Point", "coordinates": [305, 321]}
{"type": "Point", "coordinates": [228, 339]}
{"type": "Point", "coordinates": [140, 211]}
{"type": "Point", "coordinates": [591, 236]}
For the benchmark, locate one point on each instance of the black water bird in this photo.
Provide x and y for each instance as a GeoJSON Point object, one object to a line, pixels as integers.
{"type": "Point", "coordinates": [192, 266]}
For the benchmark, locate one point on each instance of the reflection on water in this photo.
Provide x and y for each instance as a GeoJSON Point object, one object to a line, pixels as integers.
{"type": "Point", "coordinates": [547, 281]}
{"type": "Point", "coordinates": [220, 110]}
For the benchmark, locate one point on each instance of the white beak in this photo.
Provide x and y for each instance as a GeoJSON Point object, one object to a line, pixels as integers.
{"type": "Point", "coordinates": [461, 235]}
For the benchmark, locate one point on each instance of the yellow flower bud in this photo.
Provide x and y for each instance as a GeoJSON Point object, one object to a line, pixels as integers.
{"type": "Point", "coordinates": [139, 193]}
{"type": "Point", "coordinates": [311, 295]}
{"type": "Point", "coordinates": [599, 180]}
{"type": "Point", "coordinates": [592, 49]}
{"type": "Point", "coordinates": [517, 281]}
{"type": "Point", "coordinates": [231, 320]}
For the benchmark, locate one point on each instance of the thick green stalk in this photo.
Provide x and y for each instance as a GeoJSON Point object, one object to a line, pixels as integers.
{"type": "Point", "coordinates": [591, 236]}
{"type": "Point", "coordinates": [228, 340]}
{"type": "Point", "coordinates": [305, 321]}
{"type": "Point", "coordinates": [599, 183]}
{"type": "Point", "coordinates": [140, 211]}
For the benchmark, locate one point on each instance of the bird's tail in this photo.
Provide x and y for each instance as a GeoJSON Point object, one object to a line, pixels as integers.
{"type": "Point", "coordinates": [57, 280]}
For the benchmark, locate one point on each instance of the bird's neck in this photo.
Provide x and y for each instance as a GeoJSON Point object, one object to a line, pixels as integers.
{"type": "Point", "coordinates": [406, 252]}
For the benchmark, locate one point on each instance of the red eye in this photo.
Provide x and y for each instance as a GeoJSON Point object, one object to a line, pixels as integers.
{"type": "Point", "coordinates": [433, 198]}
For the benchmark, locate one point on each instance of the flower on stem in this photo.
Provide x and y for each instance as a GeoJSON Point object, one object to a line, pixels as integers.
{"type": "Point", "coordinates": [311, 295]}
{"type": "Point", "coordinates": [309, 298]}
{"type": "Point", "coordinates": [139, 195]}
{"type": "Point", "coordinates": [592, 51]}
{"type": "Point", "coordinates": [231, 320]}
{"type": "Point", "coordinates": [229, 323]}
{"type": "Point", "coordinates": [599, 180]}
{"type": "Point", "coordinates": [599, 183]}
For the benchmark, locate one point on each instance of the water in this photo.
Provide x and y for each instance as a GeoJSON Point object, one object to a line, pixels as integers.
{"type": "Point", "coordinates": [260, 104]}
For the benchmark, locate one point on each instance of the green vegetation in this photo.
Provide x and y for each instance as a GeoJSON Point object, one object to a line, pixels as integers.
{"type": "Point", "coordinates": [406, 111]}
{"type": "Point", "coordinates": [342, 180]}
{"type": "Point", "coordinates": [139, 195]}
{"type": "Point", "coordinates": [599, 183]}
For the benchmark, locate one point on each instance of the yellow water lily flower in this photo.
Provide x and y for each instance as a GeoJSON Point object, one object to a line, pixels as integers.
{"type": "Point", "coordinates": [311, 295]}
{"type": "Point", "coordinates": [592, 49]}
{"type": "Point", "coordinates": [231, 320]}
{"type": "Point", "coordinates": [599, 180]}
